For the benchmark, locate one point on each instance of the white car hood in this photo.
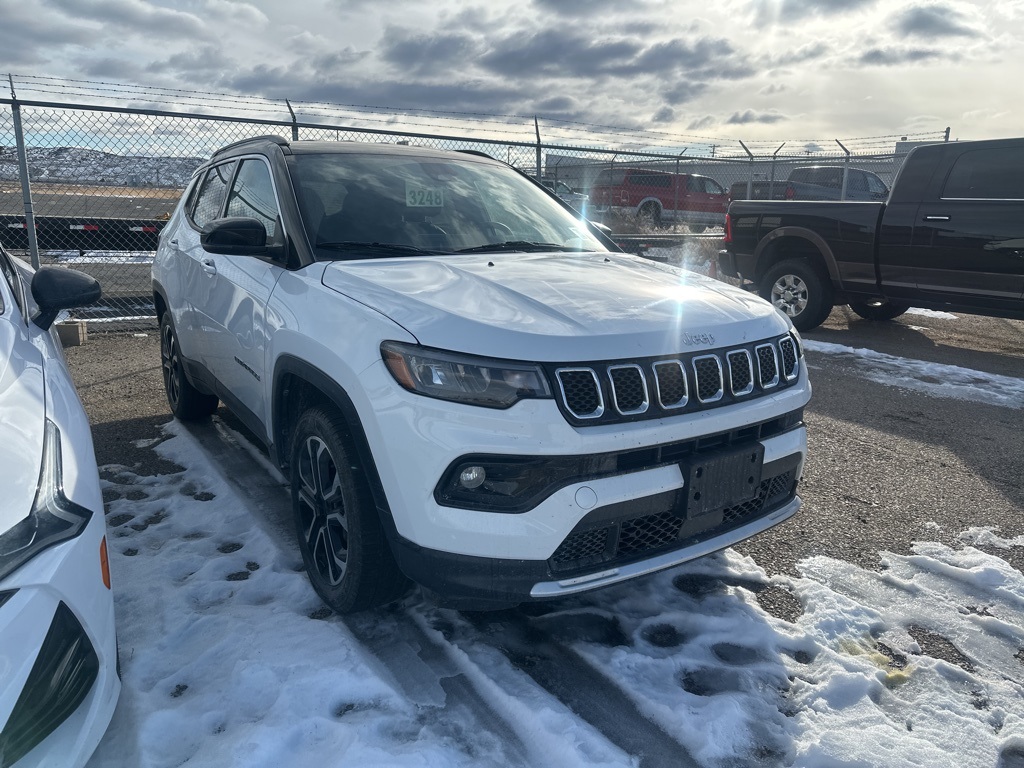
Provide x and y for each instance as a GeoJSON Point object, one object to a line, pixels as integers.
{"type": "Point", "coordinates": [556, 307]}
{"type": "Point", "coordinates": [22, 421]}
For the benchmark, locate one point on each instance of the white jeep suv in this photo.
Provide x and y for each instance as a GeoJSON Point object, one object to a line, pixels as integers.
{"type": "Point", "coordinates": [468, 385]}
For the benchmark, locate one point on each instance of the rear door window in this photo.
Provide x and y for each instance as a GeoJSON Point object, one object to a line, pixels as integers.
{"type": "Point", "coordinates": [713, 187]}
{"type": "Point", "coordinates": [987, 174]}
{"type": "Point", "coordinates": [876, 186]}
{"type": "Point", "coordinates": [210, 200]}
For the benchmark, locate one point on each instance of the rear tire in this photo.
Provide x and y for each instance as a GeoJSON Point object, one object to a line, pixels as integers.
{"type": "Point", "coordinates": [879, 309]}
{"type": "Point", "coordinates": [799, 289]}
{"type": "Point", "coordinates": [649, 215]}
{"type": "Point", "coordinates": [187, 403]}
{"type": "Point", "coordinates": [346, 554]}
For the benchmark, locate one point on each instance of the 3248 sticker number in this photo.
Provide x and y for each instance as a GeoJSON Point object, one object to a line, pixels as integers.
{"type": "Point", "coordinates": [424, 197]}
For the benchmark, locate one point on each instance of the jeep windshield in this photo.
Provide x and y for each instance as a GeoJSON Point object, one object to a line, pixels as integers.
{"type": "Point", "coordinates": [383, 205]}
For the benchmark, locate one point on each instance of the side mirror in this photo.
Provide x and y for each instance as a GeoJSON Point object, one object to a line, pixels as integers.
{"type": "Point", "coordinates": [238, 236]}
{"type": "Point", "coordinates": [56, 288]}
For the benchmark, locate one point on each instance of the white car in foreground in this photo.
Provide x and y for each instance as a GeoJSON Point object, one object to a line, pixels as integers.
{"type": "Point", "coordinates": [58, 652]}
{"type": "Point", "coordinates": [469, 385]}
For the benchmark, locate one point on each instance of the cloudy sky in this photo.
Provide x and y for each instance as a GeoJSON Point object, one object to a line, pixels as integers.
{"type": "Point", "coordinates": [758, 70]}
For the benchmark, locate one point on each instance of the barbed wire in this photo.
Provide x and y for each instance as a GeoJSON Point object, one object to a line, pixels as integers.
{"type": "Point", "coordinates": [494, 124]}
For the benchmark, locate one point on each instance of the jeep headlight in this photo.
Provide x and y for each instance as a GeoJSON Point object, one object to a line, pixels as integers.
{"type": "Point", "coordinates": [53, 519]}
{"type": "Point", "coordinates": [463, 378]}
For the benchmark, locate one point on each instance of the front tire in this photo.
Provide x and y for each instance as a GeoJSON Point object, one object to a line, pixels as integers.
{"type": "Point", "coordinates": [649, 215]}
{"type": "Point", "coordinates": [799, 289]}
{"type": "Point", "coordinates": [347, 557]}
{"type": "Point", "coordinates": [879, 309]}
{"type": "Point", "coordinates": [187, 403]}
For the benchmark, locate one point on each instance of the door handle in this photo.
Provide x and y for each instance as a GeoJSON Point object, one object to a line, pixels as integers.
{"type": "Point", "coordinates": [209, 267]}
{"type": "Point", "coordinates": [174, 241]}
{"type": "Point", "coordinates": [936, 218]}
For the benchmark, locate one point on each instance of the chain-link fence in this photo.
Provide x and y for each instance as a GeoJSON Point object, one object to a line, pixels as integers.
{"type": "Point", "coordinates": [92, 184]}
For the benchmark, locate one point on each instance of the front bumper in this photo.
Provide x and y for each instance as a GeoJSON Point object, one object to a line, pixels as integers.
{"type": "Point", "coordinates": [613, 544]}
{"type": "Point", "coordinates": [527, 552]}
{"type": "Point", "coordinates": [58, 647]}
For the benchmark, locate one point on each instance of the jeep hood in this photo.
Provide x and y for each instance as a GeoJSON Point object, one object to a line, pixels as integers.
{"type": "Point", "coordinates": [556, 307]}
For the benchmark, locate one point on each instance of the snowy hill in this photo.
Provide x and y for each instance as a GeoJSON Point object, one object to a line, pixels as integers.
{"type": "Point", "coordinates": [88, 166]}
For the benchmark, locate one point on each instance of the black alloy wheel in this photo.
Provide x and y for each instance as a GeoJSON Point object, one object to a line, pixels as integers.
{"type": "Point", "coordinates": [187, 403]}
{"type": "Point", "coordinates": [323, 524]}
{"type": "Point", "coordinates": [344, 549]}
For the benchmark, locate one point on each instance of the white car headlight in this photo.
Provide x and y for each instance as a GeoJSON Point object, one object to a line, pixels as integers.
{"type": "Point", "coordinates": [53, 519]}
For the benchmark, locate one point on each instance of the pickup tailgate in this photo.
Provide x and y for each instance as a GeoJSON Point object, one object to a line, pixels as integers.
{"type": "Point", "coordinates": [843, 231]}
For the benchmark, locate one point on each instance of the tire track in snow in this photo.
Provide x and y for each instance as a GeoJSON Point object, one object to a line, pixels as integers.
{"type": "Point", "coordinates": [424, 674]}
{"type": "Point", "coordinates": [424, 671]}
{"type": "Point", "coordinates": [562, 673]}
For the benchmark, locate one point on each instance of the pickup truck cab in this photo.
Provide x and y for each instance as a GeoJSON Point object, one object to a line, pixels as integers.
{"type": "Point", "coordinates": [950, 237]}
{"type": "Point", "coordinates": [656, 197]}
{"type": "Point", "coordinates": [815, 182]}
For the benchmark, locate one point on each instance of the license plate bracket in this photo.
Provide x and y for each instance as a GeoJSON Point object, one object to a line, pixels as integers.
{"type": "Point", "coordinates": [722, 479]}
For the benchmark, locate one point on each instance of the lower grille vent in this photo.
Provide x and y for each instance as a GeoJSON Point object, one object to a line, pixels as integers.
{"type": "Point", "coordinates": [619, 541]}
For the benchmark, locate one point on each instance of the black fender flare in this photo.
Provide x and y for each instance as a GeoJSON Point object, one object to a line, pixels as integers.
{"type": "Point", "coordinates": [761, 259]}
{"type": "Point", "coordinates": [339, 398]}
{"type": "Point", "coordinates": [158, 290]}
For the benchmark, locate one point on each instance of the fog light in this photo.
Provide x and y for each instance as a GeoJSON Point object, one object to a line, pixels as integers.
{"type": "Point", "coordinates": [472, 477]}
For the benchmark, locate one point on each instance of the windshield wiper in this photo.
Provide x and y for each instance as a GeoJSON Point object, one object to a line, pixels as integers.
{"type": "Point", "coordinates": [394, 249]}
{"type": "Point", "coordinates": [519, 245]}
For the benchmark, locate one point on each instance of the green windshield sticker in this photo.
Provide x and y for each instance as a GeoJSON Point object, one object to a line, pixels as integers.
{"type": "Point", "coordinates": [417, 196]}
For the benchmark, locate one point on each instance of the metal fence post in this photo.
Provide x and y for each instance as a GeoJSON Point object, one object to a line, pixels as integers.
{"type": "Point", "coordinates": [750, 178]}
{"type": "Point", "coordinates": [675, 187]}
{"type": "Point", "coordinates": [846, 169]}
{"type": "Point", "coordinates": [536, 127]}
{"type": "Point", "coordinates": [295, 123]}
{"type": "Point", "coordinates": [771, 182]}
{"type": "Point", "coordinates": [26, 185]}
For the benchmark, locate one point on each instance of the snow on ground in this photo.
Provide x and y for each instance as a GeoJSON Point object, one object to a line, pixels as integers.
{"type": "Point", "coordinates": [935, 379]}
{"type": "Point", "coordinates": [99, 257]}
{"type": "Point", "coordinates": [932, 313]}
{"type": "Point", "coordinates": [229, 659]}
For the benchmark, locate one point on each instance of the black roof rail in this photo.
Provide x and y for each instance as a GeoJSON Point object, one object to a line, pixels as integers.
{"type": "Point", "coordinates": [280, 141]}
{"type": "Point", "coordinates": [476, 152]}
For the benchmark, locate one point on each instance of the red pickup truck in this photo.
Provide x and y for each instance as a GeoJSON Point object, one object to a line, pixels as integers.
{"type": "Point", "coordinates": [655, 198]}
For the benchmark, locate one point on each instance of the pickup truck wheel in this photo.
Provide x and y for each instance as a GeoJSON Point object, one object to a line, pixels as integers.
{"type": "Point", "coordinates": [879, 309]}
{"type": "Point", "coordinates": [800, 290]}
{"type": "Point", "coordinates": [650, 215]}
{"type": "Point", "coordinates": [187, 403]}
{"type": "Point", "coordinates": [347, 557]}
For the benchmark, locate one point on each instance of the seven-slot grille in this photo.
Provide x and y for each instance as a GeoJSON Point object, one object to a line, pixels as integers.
{"type": "Point", "coordinates": [626, 390]}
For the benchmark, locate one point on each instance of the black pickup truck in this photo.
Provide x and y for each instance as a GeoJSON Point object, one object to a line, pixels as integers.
{"type": "Point", "coordinates": [950, 237]}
